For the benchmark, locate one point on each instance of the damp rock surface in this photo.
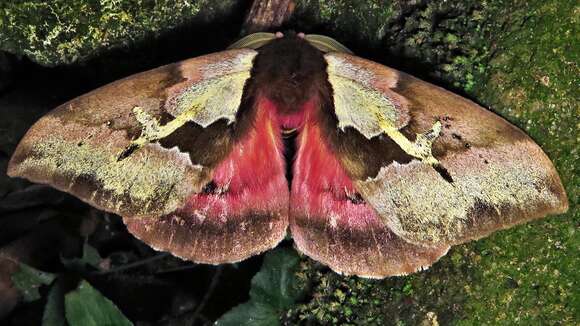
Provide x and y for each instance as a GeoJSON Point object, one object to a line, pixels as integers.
{"type": "Point", "coordinates": [64, 32]}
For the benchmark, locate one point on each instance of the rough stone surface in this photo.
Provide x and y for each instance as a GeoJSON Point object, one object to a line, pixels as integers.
{"type": "Point", "coordinates": [68, 31]}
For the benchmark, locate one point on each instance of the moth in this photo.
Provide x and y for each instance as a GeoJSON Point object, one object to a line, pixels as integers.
{"type": "Point", "coordinates": [372, 171]}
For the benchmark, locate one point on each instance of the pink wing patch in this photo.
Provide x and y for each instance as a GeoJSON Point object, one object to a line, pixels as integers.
{"type": "Point", "coordinates": [332, 223]}
{"type": "Point", "coordinates": [251, 179]}
{"type": "Point", "coordinates": [241, 212]}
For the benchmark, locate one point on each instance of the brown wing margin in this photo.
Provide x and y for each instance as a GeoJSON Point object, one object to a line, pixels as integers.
{"type": "Point", "coordinates": [138, 148]}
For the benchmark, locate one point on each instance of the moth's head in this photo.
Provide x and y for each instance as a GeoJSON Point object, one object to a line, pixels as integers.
{"type": "Point", "coordinates": [290, 68]}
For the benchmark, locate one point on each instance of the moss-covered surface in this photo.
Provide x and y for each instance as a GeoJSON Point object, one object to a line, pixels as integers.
{"type": "Point", "coordinates": [64, 31]}
{"type": "Point", "coordinates": [438, 39]}
{"type": "Point", "coordinates": [520, 59]}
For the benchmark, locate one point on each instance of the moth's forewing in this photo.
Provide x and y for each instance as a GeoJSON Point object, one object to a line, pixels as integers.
{"type": "Point", "coordinates": [483, 174]}
{"type": "Point", "coordinates": [147, 146]}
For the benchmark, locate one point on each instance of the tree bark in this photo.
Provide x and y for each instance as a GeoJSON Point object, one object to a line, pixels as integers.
{"type": "Point", "coordinates": [266, 15]}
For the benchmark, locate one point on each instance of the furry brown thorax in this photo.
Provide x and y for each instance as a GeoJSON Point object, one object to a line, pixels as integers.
{"type": "Point", "coordinates": [290, 71]}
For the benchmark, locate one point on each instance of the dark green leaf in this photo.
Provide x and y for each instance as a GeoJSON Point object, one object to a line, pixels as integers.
{"type": "Point", "coordinates": [90, 257]}
{"type": "Point", "coordinates": [86, 306]}
{"type": "Point", "coordinates": [276, 283]}
{"type": "Point", "coordinates": [28, 280]}
{"type": "Point", "coordinates": [275, 288]}
{"type": "Point", "coordinates": [54, 308]}
{"type": "Point", "coordinates": [252, 314]}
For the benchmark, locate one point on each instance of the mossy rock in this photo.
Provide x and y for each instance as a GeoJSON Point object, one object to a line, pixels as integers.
{"type": "Point", "coordinates": [70, 31]}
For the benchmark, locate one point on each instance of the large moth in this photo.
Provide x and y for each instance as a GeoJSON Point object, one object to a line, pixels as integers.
{"type": "Point", "coordinates": [373, 172]}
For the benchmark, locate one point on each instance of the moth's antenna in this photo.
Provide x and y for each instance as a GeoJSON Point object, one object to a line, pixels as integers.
{"type": "Point", "coordinates": [253, 41]}
{"type": "Point", "coordinates": [326, 44]}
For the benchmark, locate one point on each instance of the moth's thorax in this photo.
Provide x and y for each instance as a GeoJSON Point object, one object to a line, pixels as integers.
{"type": "Point", "coordinates": [289, 73]}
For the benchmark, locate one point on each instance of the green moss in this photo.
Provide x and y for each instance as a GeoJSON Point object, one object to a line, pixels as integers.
{"type": "Point", "coordinates": [527, 275]}
{"type": "Point", "coordinates": [402, 300]}
{"type": "Point", "coordinates": [370, 17]}
{"type": "Point", "coordinates": [439, 37]}
{"type": "Point", "coordinates": [63, 31]}
{"type": "Point", "coordinates": [533, 80]}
